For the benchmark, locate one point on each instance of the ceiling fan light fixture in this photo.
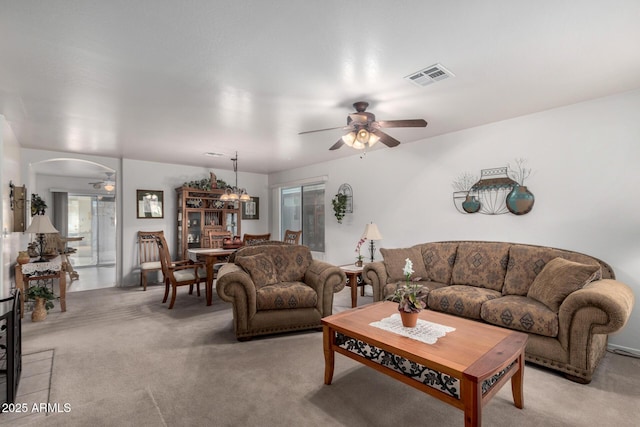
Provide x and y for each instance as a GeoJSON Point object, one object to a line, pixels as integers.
{"type": "Point", "coordinates": [363, 136]}
{"type": "Point", "coordinates": [359, 145]}
{"type": "Point", "coordinates": [349, 138]}
{"type": "Point", "coordinates": [373, 139]}
{"type": "Point", "coordinates": [109, 186]}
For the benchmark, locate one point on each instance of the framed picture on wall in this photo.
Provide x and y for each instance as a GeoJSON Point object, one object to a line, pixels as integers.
{"type": "Point", "coordinates": [150, 203]}
{"type": "Point", "coordinates": [251, 209]}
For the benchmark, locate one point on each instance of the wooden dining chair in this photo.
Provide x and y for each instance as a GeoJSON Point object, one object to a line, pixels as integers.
{"type": "Point", "coordinates": [215, 238]}
{"type": "Point", "coordinates": [178, 273]}
{"type": "Point", "coordinates": [148, 255]}
{"type": "Point", "coordinates": [292, 237]}
{"type": "Point", "coordinates": [255, 239]}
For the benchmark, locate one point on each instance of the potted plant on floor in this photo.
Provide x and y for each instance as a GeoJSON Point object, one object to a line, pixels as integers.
{"type": "Point", "coordinates": [410, 296]}
{"type": "Point", "coordinates": [43, 298]}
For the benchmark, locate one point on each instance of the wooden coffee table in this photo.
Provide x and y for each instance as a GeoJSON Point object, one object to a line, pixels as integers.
{"type": "Point", "coordinates": [465, 368]}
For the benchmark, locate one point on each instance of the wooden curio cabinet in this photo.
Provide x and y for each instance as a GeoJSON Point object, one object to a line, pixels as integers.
{"type": "Point", "coordinates": [198, 209]}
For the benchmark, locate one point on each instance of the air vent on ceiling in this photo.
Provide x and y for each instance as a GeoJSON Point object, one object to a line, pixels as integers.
{"type": "Point", "coordinates": [429, 75]}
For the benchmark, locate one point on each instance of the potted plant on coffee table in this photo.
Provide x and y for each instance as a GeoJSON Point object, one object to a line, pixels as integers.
{"type": "Point", "coordinates": [43, 298]}
{"type": "Point", "coordinates": [411, 297]}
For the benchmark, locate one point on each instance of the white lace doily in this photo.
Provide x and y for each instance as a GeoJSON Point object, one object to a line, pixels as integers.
{"type": "Point", "coordinates": [424, 331]}
{"type": "Point", "coordinates": [42, 267]}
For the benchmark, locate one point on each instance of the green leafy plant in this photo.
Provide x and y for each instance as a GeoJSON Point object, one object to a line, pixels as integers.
{"type": "Point", "coordinates": [411, 296]}
{"type": "Point", "coordinates": [339, 203]}
{"type": "Point", "coordinates": [42, 292]}
{"type": "Point", "coordinates": [38, 206]}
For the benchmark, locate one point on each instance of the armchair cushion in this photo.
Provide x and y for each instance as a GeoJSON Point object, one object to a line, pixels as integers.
{"type": "Point", "coordinates": [394, 261]}
{"type": "Point", "coordinates": [292, 262]}
{"type": "Point", "coordinates": [559, 278]}
{"type": "Point", "coordinates": [260, 267]}
{"type": "Point", "coordinates": [285, 295]}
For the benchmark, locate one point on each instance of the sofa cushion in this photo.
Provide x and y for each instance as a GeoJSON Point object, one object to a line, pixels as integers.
{"type": "Point", "coordinates": [395, 259]}
{"type": "Point", "coordinates": [439, 259]}
{"type": "Point", "coordinates": [481, 264]}
{"type": "Point", "coordinates": [260, 267]}
{"type": "Point", "coordinates": [292, 262]}
{"type": "Point", "coordinates": [461, 300]}
{"type": "Point", "coordinates": [559, 278]}
{"type": "Point", "coordinates": [522, 314]}
{"type": "Point", "coordinates": [526, 262]}
{"type": "Point", "coordinates": [286, 295]}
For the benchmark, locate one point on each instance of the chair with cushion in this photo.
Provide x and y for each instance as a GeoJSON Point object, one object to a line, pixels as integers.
{"type": "Point", "coordinates": [178, 273]}
{"type": "Point", "coordinates": [292, 237]}
{"type": "Point", "coordinates": [278, 288]}
{"type": "Point", "coordinates": [148, 255]}
{"type": "Point", "coordinates": [255, 239]}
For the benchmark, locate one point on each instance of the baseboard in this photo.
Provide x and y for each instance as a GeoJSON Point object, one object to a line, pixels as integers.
{"type": "Point", "coordinates": [632, 351]}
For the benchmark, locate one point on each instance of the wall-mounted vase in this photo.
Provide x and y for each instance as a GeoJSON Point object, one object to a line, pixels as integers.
{"type": "Point", "coordinates": [471, 204]}
{"type": "Point", "coordinates": [520, 200]}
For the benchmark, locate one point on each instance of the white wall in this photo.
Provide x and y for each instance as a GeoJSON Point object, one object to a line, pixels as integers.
{"type": "Point", "coordinates": [9, 172]}
{"type": "Point", "coordinates": [585, 176]}
{"type": "Point", "coordinates": [167, 177]}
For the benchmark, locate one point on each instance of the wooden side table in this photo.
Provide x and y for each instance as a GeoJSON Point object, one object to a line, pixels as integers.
{"type": "Point", "coordinates": [55, 269]}
{"type": "Point", "coordinates": [354, 279]}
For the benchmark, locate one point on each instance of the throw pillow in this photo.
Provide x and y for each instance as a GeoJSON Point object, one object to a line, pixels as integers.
{"type": "Point", "coordinates": [558, 279]}
{"type": "Point", "coordinates": [260, 267]}
{"type": "Point", "coordinates": [395, 259]}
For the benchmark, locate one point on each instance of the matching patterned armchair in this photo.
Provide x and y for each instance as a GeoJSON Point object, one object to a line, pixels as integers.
{"type": "Point", "coordinates": [278, 288]}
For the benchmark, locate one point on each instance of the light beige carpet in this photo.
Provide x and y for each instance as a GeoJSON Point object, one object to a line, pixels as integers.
{"type": "Point", "coordinates": [123, 359]}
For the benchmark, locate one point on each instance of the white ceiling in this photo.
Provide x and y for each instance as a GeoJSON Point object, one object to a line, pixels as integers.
{"type": "Point", "coordinates": [167, 81]}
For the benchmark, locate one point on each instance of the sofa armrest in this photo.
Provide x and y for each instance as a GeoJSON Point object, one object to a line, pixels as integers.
{"type": "Point", "coordinates": [375, 274]}
{"type": "Point", "coordinates": [600, 307]}
{"type": "Point", "coordinates": [234, 285]}
{"type": "Point", "coordinates": [325, 279]}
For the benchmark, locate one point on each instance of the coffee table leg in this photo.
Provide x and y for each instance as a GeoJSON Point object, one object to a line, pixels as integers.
{"type": "Point", "coordinates": [517, 381]}
{"type": "Point", "coordinates": [472, 403]}
{"type": "Point", "coordinates": [327, 338]}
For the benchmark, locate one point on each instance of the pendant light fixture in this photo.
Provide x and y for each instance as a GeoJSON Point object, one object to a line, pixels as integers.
{"type": "Point", "coordinates": [234, 193]}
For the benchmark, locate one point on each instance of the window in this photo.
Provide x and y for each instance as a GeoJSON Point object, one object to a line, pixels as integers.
{"type": "Point", "coordinates": [302, 208]}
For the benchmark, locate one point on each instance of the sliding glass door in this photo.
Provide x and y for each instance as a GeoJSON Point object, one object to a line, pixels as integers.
{"type": "Point", "coordinates": [302, 208]}
{"type": "Point", "coordinates": [92, 218]}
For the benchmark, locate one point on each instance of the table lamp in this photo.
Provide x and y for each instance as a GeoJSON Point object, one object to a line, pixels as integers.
{"type": "Point", "coordinates": [41, 225]}
{"type": "Point", "coordinates": [371, 233]}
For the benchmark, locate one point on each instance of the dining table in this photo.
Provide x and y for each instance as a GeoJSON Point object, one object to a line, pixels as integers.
{"type": "Point", "coordinates": [210, 257]}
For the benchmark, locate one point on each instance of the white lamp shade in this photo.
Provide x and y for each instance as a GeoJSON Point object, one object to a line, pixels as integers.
{"type": "Point", "coordinates": [40, 224]}
{"type": "Point", "coordinates": [371, 232]}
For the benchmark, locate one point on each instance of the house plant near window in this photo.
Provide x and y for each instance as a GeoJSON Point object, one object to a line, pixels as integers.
{"type": "Point", "coordinates": [43, 297]}
{"type": "Point", "coordinates": [410, 296]}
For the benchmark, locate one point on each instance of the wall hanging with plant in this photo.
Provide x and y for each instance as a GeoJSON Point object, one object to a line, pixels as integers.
{"type": "Point", "coordinates": [339, 203]}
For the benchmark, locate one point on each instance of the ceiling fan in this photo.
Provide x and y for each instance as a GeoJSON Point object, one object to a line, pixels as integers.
{"type": "Point", "coordinates": [364, 131]}
{"type": "Point", "coordinates": [108, 184]}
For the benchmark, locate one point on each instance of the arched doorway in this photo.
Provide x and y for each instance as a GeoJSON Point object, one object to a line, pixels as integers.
{"type": "Point", "coordinates": [81, 196]}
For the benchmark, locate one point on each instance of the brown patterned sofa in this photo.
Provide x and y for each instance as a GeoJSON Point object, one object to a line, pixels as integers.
{"type": "Point", "coordinates": [566, 301]}
{"type": "Point", "coordinates": [278, 288]}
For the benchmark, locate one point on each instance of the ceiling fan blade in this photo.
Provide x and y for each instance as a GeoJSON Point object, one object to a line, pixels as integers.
{"type": "Point", "coordinates": [337, 145]}
{"type": "Point", "coordinates": [411, 123]}
{"type": "Point", "coordinates": [319, 130]}
{"type": "Point", "coordinates": [387, 139]}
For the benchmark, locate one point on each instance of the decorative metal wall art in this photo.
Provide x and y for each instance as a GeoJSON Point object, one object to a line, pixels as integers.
{"type": "Point", "coordinates": [347, 191]}
{"type": "Point", "coordinates": [498, 191]}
